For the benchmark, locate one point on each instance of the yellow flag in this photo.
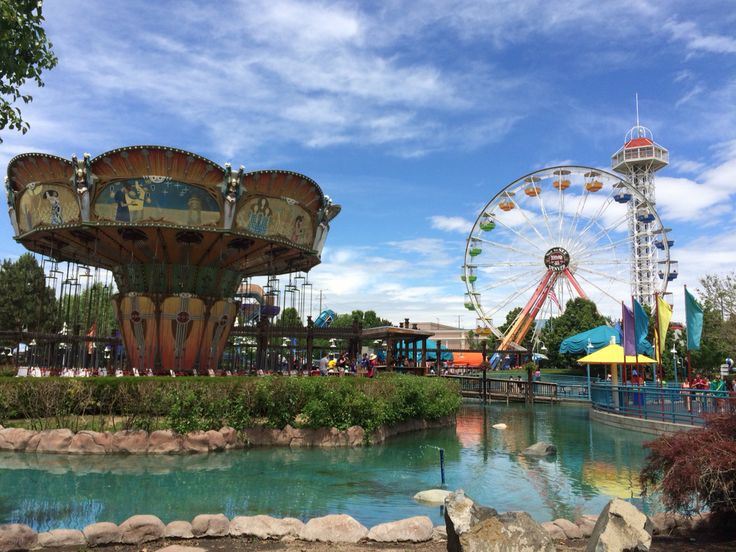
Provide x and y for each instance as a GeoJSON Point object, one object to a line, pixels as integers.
{"type": "Point", "coordinates": [664, 314]}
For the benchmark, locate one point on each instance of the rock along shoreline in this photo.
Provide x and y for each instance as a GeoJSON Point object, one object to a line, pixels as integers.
{"type": "Point", "coordinates": [65, 441]}
{"type": "Point", "coordinates": [468, 527]}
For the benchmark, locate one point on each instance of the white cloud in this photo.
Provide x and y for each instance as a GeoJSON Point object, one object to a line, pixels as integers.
{"type": "Point", "coordinates": [695, 40]}
{"type": "Point", "coordinates": [451, 224]}
{"type": "Point", "coordinates": [684, 199]}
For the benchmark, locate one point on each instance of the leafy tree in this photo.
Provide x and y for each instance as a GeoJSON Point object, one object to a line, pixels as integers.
{"type": "Point", "coordinates": [695, 469]}
{"type": "Point", "coordinates": [368, 319]}
{"type": "Point", "coordinates": [25, 300]}
{"type": "Point", "coordinates": [580, 315]}
{"type": "Point", "coordinates": [92, 306]}
{"type": "Point", "coordinates": [289, 318]}
{"type": "Point", "coordinates": [717, 342]}
{"type": "Point", "coordinates": [719, 294]}
{"type": "Point", "coordinates": [24, 53]}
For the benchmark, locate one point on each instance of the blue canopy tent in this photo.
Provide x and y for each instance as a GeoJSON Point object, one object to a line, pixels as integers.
{"type": "Point", "coordinates": [599, 337]}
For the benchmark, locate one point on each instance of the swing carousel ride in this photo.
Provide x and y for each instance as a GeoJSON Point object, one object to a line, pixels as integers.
{"type": "Point", "coordinates": [180, 236]}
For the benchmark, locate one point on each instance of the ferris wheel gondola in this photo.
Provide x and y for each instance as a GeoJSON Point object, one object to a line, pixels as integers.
{"type": "Point", "coordinates": [551, 236]}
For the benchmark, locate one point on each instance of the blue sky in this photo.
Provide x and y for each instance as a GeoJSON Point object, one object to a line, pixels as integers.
{"type": "Point", "coordinates": [411, 115]}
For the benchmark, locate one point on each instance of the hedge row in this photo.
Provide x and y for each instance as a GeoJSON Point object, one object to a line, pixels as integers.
{"type": "Point", "coordinates": [189, 404]}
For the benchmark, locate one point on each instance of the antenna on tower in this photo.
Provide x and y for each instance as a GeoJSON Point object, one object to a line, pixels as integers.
{"type": "Point", "coordinates": [637, 108]}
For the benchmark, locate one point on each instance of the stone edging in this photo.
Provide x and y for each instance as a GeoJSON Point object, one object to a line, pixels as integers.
{"type": "Point", "coordinates": [139, 529]}
{"type": "Point", "coordinates": [335, 528]}
{"type": "Point", "coordinates": [64, 441]}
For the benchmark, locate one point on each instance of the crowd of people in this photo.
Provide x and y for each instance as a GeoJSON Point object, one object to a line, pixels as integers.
{"type": "Point", "coordinates": [343, 365]}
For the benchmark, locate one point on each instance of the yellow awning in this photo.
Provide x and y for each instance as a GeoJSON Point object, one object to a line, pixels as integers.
{"type": "Point", "coordinates": [614, 354]}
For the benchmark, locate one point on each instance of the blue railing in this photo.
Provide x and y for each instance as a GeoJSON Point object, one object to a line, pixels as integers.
{"type": "Point", "coordinates": [666, 404]}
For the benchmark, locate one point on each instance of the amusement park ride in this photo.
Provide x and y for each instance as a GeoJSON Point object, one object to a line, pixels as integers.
{"type": "Point", "coordinates": [179, 234]}
{"type": "Point", "coordinates": [565, 232]}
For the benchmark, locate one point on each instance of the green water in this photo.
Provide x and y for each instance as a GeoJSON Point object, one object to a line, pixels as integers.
{"type": "Point", "coordinates": [374, 484]}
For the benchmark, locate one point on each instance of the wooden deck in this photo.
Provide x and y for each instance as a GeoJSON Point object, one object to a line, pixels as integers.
{"type": "Point", "coordinates": [505, 389]}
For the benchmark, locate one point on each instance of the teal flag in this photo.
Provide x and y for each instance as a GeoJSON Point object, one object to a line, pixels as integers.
{"type": "Point", "coordinates": [694, 321]}
{"type": "Point", "coordinates": [641, 329]}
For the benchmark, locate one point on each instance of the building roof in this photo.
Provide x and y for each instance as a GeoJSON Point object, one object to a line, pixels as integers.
{"type": "Point", "coordinates": [638, 142]}
{"type": "Point", "coordinates": [404, 334]}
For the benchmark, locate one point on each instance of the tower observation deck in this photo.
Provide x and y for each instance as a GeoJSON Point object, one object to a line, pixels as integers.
{"type": "Point", "coordinates": [638, 160]}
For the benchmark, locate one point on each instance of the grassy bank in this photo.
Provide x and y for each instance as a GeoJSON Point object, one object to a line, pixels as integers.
{"type": "Point", "coordinates": [189, 404]}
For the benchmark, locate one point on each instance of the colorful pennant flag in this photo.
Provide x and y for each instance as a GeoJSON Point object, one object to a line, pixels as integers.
{"type": "Point", "coordinates": [694, 321]}
{"type": "Point", "coordinates": [629, 331]}
{"type": "Point", "coordinates": [641, 325]}
{"type": "Point", "coordinates": [664, 315]}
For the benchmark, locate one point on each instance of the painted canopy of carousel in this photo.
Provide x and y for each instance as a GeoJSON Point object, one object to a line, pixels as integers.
{"type": "Point", "coordinates": [178, 232]}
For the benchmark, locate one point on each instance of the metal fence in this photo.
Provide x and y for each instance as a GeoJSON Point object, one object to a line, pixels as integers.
{"type": "Point", "coordinates": [666, 404]}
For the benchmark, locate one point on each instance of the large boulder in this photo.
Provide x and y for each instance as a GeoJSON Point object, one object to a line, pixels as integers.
{"type": "Point", "coordinates": [164, 441]}
{"type": "Point", "coordinates": [15, 438]}
{"type": "Point", "coordinates": [414, 529]}
{"type": "Point", "coordinates": [61, 537]}
{"type": "Point", "coordinates": [130, 441]}
{"type": "Point", "coordinates": [180, 548]}
{"type": "Point", "coordinates": [53, 440]}
{"type": "Point", "coordinates": [265, 527]}
{"type": "Point", "coordinates": [16, 536]}
{"type": "Point", "coordinates": [211, 525]}
{"type": "Point", "coordinates": [196, 441]}
{"type": "Point", "coordinates": [333, 528]}
{"type": "Point", "coordinates": [90, 442]}
{"type": "Point", "coordinates": [101, 533]}
{"type": "Point", "coordinates": [571, 530]}
{"type": "Point", "coordinates": [232, 439]}
{"type": "Point", "coordinates": [140, 529]}
{"type": "Point", "coordinates": [461, 514]}
{"type": "Point", "coordinates": [555, 531]}
{"type": "Point", "coordinates": [540, 449]}
{"type": "Point", "coordinates": [621, 527]}
{"type": "Point", "coordinates": [475, 528]}
{"type": "Point", "coordinates": [586, 524]}
{"type": "Point", "coordinates": [433, 497]}
{"type": "Point", "coordinates": [507, 532]}
{"type": "Point", "coordinates": [215, 440]}
{"type": "Point", "coordinates": [179, 530]}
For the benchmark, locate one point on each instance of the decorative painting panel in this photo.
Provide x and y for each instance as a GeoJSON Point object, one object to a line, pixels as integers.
{"type": "Point", "coordinates": [157, 199]}
{"type": "Point", "coordinates": [282, 217]}
{"type": "Point", "coordinates": [46, 205]}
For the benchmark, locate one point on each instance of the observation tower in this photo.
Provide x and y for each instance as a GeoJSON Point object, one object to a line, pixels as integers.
{"type": "Point", "coordinates": [177, 231]}
{"type": "Point", "coordinates": [638, 160]}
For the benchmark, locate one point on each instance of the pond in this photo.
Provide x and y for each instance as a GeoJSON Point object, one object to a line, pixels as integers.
{"type": "Point", "coordinates": [373, 484]}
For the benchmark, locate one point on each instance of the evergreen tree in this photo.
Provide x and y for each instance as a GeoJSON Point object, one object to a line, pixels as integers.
{"type": "Point", "coordinates": [25, 300]}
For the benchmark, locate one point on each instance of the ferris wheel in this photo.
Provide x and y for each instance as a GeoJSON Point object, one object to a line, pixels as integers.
{"type": "Point", "coordinates": [554, 235]}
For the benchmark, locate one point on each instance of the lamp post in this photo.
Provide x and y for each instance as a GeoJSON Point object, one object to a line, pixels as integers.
{"type": "Point", "coordinates": [588, 348]}
{"type": "Point", "coordinates": [674, 362]}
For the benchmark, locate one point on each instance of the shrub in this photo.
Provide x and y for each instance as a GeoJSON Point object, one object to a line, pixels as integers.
{"type": "Point", "coordinates": [695, 469]}
{"type": "Point", "coordinates": [190, 404]}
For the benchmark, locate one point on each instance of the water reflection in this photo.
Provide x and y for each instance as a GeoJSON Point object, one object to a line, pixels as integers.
{"type": "Point", "coordinates": [374, 484]}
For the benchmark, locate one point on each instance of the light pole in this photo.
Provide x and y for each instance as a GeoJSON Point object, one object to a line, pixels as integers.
{"type": "Point", "coordinates": [588, 348]}
{"type": "Point", "coordinates": [674, 362]}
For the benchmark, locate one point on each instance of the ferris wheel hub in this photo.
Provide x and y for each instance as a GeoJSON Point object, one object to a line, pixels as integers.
{"type": "Point", "coordinates": [557, 259]}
